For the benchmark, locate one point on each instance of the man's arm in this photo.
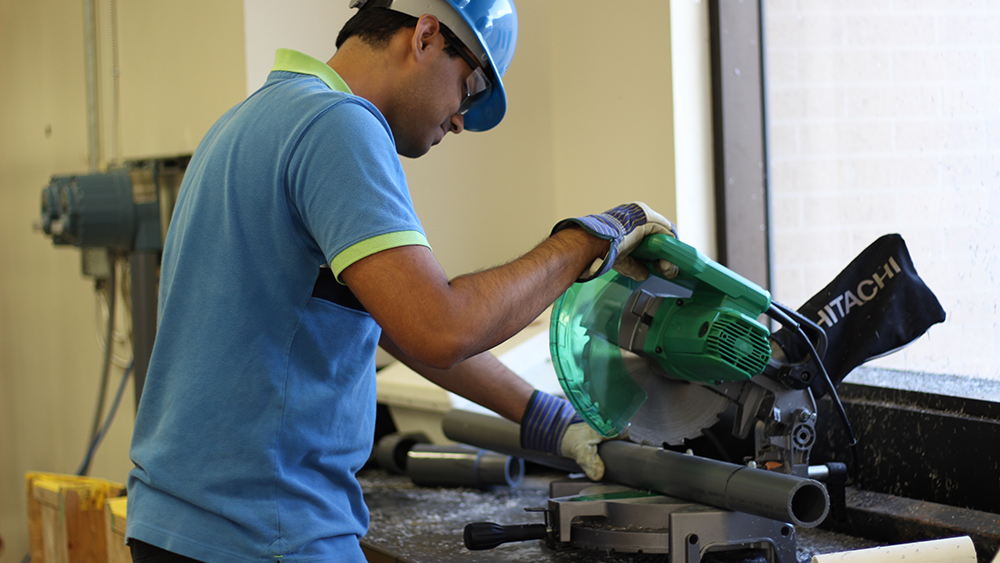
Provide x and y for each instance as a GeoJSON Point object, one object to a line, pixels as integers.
{"type": "Point", "coordinates": [439, 323]}
{"type": "Point", "coordinates": [549, 422]}
{"type": "Point", "coordinates": [482, 379]}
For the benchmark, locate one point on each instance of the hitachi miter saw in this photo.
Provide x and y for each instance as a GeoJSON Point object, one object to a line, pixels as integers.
{"type": "Point", "coordinates": [658, 361]}
{"type": "Point", "coordinates": [655, 364]}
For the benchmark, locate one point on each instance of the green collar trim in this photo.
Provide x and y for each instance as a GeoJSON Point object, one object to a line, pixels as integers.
{"type": "Point", "coordinates": [294, 61]}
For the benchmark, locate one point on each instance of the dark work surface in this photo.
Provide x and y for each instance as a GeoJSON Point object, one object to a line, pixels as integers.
{"type": "Point", "coordinates": [414, 524]}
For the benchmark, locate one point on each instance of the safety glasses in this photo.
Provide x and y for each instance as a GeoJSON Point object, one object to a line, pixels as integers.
{"type": "Point", "coordinates": [477, 84]}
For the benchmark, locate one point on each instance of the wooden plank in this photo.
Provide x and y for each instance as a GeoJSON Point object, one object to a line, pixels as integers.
{"type": "Point", "coordinates": [114, 521]}
{"type": "Point", "coordinates": [54, 538]}
{"type": "Point", "coordinates": [66, 517]}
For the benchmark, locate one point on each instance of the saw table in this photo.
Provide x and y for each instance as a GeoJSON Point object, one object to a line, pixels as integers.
{"type": "Point", "coordinates": [411, 524]}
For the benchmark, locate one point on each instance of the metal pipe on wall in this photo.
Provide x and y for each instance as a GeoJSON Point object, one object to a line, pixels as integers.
{"type": "Point", "coordinates": [90, 56]}
{"type": "Point", "coordinates": [145, 276]}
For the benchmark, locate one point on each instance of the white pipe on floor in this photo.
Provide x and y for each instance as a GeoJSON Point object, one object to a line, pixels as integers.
{"type": "Point", "coordinates": [948, 550]}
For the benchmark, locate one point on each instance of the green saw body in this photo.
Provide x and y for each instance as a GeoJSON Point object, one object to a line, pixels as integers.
{"type": "Point", "coordinates": [704, 329]}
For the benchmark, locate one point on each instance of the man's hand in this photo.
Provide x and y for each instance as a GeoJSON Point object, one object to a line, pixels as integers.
{"type": "Point", "coordinates": [625, 226]}
{"type": "Point", "coordinates": [580, 443]}
{"type": "Point", "coordinates": [551, 425]}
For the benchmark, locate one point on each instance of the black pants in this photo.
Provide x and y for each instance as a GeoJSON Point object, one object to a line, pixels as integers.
{"type": "Point", "coordinates": [142, 552]}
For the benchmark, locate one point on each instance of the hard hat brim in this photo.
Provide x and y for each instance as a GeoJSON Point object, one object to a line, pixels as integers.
{"type": "Point", "coordinates": [488, 113]}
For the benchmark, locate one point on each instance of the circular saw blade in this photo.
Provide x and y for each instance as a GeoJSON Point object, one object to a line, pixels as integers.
{"type": "Point", "coordinates": [675, 410]}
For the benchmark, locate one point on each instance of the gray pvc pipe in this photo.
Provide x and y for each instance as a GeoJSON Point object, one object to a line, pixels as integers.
{"type": "Point", "coordinates": [779, 496]}
{"type": "Point", "coordinates": [391, 451]}
{"type": "Point", "coordinates": [787, 498]}
{"type": "Point", "coordinates": [497, 435]}
{"type": "Point", "coordinates": [431, 465]}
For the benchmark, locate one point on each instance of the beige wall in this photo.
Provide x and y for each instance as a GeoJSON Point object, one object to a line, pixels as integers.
{"type": "Point", "coordinates": [181, 67]}
{"type": "Point", "coordinates": [590, 124]}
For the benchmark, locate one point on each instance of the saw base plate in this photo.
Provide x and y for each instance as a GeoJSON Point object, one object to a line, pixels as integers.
{"type": "Point", "coordinates": [619, 519]}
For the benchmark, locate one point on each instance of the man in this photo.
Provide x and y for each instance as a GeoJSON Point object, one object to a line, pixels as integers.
{"type": "Point", "coordinates": [293, 251]}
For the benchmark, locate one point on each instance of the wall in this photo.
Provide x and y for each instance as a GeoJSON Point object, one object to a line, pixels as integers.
{"type": "Point", "coordinates": [590, 124]}
{"type": "Point", "coordinates": [48, 359]}
{"type": "Point", "coordinates": [177, 74]}
{"type": "Point", "coordinates": [270, 25]}
{"type": "Point", "coordinates": [614, 140]}
{"type": "Point", "coordinates": [691, 89]}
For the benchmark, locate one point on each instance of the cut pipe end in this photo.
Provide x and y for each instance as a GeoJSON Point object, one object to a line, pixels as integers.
{"type": "Point", "coordinates": [809, 504]}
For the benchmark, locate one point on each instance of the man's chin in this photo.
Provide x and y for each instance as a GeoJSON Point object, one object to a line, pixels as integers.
{"type": "Point", "coordinates": [413, 154]}
{"type": "Point", "coordinates": [415, 150]}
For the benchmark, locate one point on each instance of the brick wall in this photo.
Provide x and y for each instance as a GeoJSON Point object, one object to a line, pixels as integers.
{"type": "Point", "coordinates": [884, 116]}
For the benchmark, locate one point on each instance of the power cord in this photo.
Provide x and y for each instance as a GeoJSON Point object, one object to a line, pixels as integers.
{"type": "Point", "coordinates": [786, 316]}
{"type": "Point", "coordinates": [111, 292]}
{"type": "Point", "coordinates": [99, 436]}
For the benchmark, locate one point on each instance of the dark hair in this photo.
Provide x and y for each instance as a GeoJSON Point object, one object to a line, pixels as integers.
{"type": "Point", "coordinates": [376, 26]}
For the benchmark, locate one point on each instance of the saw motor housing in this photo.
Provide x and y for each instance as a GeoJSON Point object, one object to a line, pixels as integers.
{"type": "Point", "coordinates": [700, 338]}
{"type": "Point", "coordinates": [712, 336]}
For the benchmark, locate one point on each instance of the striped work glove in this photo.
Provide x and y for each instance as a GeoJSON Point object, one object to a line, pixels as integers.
{"type": "Point", "coordinates": [625, 226]}
{"type": "Point", "coordinates": [551, 425]}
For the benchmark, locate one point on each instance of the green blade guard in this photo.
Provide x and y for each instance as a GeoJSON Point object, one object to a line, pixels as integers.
{"type": "Point", "coordinates": [583, 340]}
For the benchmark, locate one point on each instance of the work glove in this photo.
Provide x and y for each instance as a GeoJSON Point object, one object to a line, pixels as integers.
{"type": "Point", "coordinates": [550, 424]}
{"type": "Point", "coordinates": [625, 226]}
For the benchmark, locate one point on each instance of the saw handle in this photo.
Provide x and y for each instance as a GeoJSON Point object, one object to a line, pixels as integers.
{"type": "Point", "coordinates": [663, 247]}
{"type": "Point", "coordinates": [487, 535]}
{"type": "Point", "coordinates": [698, 270]}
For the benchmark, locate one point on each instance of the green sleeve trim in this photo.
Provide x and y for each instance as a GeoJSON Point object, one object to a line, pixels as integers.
{"type": "Point", "coordinates": [294, 61]}
{"type": "Point", "coordinates": [373, 245]}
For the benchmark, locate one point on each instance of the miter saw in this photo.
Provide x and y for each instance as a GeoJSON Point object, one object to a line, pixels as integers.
{"type": "Point", "coordinates": [659, 361]}
{"type": "Point", "coordinates": [656, 363]}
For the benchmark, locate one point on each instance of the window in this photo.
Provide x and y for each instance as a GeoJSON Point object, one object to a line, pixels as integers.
{"type": "Point", "coordinates": [884, 116]}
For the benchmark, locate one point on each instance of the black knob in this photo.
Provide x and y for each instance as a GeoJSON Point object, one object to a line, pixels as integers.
{"type": "Point", "coordinates": [487, 535]}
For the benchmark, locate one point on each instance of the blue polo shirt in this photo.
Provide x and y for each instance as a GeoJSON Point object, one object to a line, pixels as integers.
{"type": "Point", "coordinates": [259, 402]}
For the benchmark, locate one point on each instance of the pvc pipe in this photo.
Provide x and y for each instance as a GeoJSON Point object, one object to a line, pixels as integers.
{"type": "Point", "coordinates": [787, 498]}
{"type": "Point", "coordinates": [949, 550]}
{"type": "Point", "coordinates": [391, 450]}
{"type": "Point", "coordinates": [431, 465]}
{"type": "Point", "coordinates": [779, 496]}
{"type": "Point", "coordinates": [498, 435]}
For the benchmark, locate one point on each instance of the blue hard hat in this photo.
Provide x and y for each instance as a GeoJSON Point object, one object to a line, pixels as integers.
{"type": "Point", "coordinates": [487, 27]}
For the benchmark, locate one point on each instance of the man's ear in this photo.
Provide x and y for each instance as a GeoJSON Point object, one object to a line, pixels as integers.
{"type": "Point", "coordinates": [425, 35]}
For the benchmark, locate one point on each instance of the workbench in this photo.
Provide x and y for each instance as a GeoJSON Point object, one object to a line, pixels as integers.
{"type": "Point", "coordinates": [412, 524]}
